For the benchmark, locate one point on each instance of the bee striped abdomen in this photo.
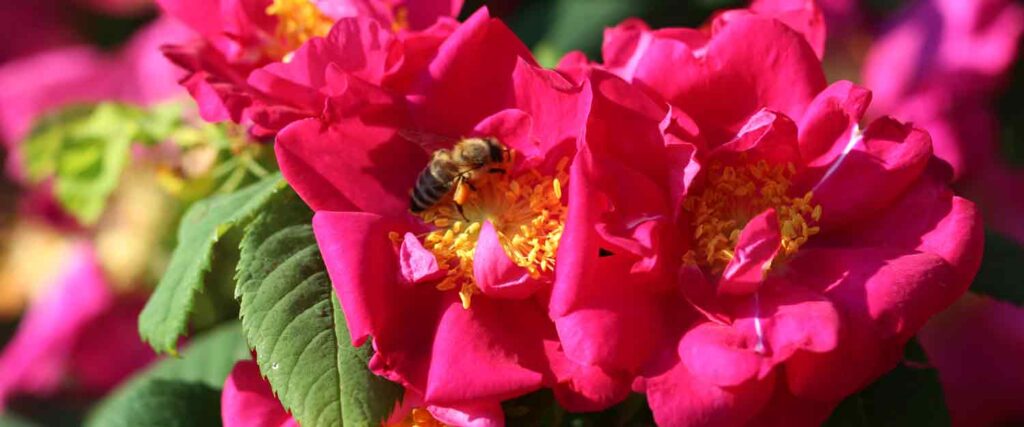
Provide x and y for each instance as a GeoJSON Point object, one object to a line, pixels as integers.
{"type": "Point", "coordinates": [428, 191]}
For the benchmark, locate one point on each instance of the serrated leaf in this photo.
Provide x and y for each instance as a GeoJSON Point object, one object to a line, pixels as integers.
{"type": "Point", "coordinates": [909, 395]}
{"type": "Point", "coordinates": [194, 382]}
{"type": "Point", "coordinates": [165, 318]}
{"type": "Point", "coordinates": [292, 319]}
{"type": "Point", "coordinates": [84, 150]}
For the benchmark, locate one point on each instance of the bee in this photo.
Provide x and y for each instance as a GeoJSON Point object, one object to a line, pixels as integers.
{"type": "Point", "coordinates": [455, 168]}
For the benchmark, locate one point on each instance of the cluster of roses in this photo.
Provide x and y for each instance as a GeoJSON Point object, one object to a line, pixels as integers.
{"type": "Point", "coordinates": [700, 217]}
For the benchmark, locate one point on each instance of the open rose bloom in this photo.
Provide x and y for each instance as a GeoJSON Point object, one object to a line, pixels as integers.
{"type": "Point", "coordinates": [811, 249]}
{"type": "Point", "coordinates": [233, 66]}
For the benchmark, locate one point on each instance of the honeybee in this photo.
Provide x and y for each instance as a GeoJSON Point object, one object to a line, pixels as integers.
{"type": "Point", "coordinates": [455, 168]}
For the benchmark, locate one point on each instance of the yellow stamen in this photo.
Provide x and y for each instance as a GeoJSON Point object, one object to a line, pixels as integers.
{"type": "Point", "coordinates": [418, 418]}
{"type": "Point", "coordinates": [297, 22]}
{"type": "Point", "coordinates": [527, 213]}
{"type": "Point", "coordinates": [401, 19]}
{"type": "Point", "coordinates": [734, 195]}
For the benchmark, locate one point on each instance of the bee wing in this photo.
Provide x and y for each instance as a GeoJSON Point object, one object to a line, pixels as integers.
{"type": "Point", "coordinates": [429, 141]}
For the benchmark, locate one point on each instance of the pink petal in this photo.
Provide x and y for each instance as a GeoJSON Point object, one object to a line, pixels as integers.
{"type": "Point", "coordinates": [882, 164]}
{"type": "Point", "coordinates": [515, 130]}
{"type": "Point", "coordinates": [757, 246]}
{"type": "Point", "coordinates": [490, 352]}
{"type": "Point", "coordinates": [830, 119]}
{"type": "Point", "coordinates": [803, 16]}
{"type": "Point", "coordinates": [883, 295]}
{"type": "Point", "coordinates": [496, 275]}
{"type": "Point", "coordinates": [350, 164]}
{"type": "Point", "coordinates": [37, 357]}
{"type": "Point", "coordinates": [724, 82]}
{"type": "Point", "coordinates": [248, 401]}
{"type": "Point", "coordinates": [418, 264]}
{"type": "Point", "coordinates": [678, 398]}
{"type": "Point", "coordinates": [475, 414]}
{"type": "Point", "coordinates": [787, 318]}
{"type": "Point", "coordinates": [584, 387]}
{"type": "Point", "coordinates": [108, 349]}
{"type": "Point", "coordinates": [470, 78]}
{"type": "Point", "coordinates": [558, 107]}
{"type": "Point", "coordinates": [976, 345]}
{"type": "Point", "coordinates": [720, 355]}
{"type": "Point", "coordinates": [767, 136]}
{"type": "Point", "coordinates": [595, 301]}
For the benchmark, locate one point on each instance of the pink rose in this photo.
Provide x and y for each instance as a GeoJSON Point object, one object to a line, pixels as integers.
{"type": "Point", "coordinates": [811, 246]}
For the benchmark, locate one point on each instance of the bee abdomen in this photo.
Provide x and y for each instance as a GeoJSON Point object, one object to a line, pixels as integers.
{"type": "Point", "coordinates": [427, 192]}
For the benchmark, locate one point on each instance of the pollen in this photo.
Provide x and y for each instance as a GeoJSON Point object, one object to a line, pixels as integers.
{"type": "Point", "coordinates": [401, 18]}
{"type": "Point", "coordinates": [528, 215]}
{"type": "Point", "coordinates": [297, 22]}
{"type": "Point", "coordinates": [731, 197]}
{"type": "Point", "coordinates": [418, 417]}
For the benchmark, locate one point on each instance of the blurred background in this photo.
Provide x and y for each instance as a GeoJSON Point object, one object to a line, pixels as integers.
{"type": "Point", "coordinates": [970, 96]}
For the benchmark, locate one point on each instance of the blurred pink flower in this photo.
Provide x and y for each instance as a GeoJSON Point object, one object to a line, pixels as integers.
{"type": "Point", "coordinates": [42, 83]}
{"type": "Point", "coordinates": [242, 36]}
{"type": "Point", "coordinates": [977, 346]}
{"type": "Point", "coordinates": [940, 64]}
{"type": "Point", "coordinates": [78, 329]}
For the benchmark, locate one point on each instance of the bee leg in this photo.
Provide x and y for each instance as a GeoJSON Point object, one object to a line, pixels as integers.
{"type": "Point", "coordinates": [458, 208]}
{"type": "Point", "coordinates": [496, 170]}
{"type": "Point", "coordinates": [461, 194]}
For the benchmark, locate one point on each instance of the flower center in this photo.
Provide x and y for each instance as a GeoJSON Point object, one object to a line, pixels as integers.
{"type": "Point", "coordinates": [297, 22]}
{"type": "Point", "coordinates": [419, 417]}
{"type": "Point", "coordinates": [527, 213]}
{"type": "Point", "coordinates": [734, 195]}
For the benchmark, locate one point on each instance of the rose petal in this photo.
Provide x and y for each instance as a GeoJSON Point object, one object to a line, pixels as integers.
{"type": "Point", "coordinates": [757, 246]}
{"type": "Point", "coordinates": [248, 401]}
{"type": "Point", "coordinates": [496, 275]}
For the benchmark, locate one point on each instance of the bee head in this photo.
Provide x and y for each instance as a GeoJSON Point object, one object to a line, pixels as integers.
{"type": "Point", "coordinates": [497, 152]}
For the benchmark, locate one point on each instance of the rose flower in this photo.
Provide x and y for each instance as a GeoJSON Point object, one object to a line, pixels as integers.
{"type": "Point", "coordinates": [811, 249]}
{"type": "Point", "coordinates": [241, 37]}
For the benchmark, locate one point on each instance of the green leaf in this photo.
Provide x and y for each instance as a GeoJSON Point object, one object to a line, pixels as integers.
{"type": "Point", "coordinates": [11, 420]}
{"type": "Point", "coordinates": [909, 395]}
{"type": "Point", "coordinates": [177, 390]}
{"type": "Point", "coordinates": [84, 150]}
{"type": "Point", "coordinates": [161, 121]}
{"type": "Point", "coordinates": [294, 322]}
{"type": "Point", "coordinates": [1000, 276]}
{"type": "Point", "coordinates": [163, 403]}
{"type": "Point", "coordinates": [165, 318]}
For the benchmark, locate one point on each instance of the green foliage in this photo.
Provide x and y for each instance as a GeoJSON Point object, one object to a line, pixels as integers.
{"type": "Point", "coordinates": [164, 403]}
{"type": "Point", "coordinates": [177, 391]}
{"type": "Point", "coordinates": [84, 150]}
{"type": "Point", "coordinates": [10, 420]}
{"type": "Point", "coordinates": [909, 395]}
{"type": "Point", "coordinates": [1001, 276]}
{"type": "Point", "coordinates": [165, 318]}
{"type": "Point", "coordinates": [294, 322]}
